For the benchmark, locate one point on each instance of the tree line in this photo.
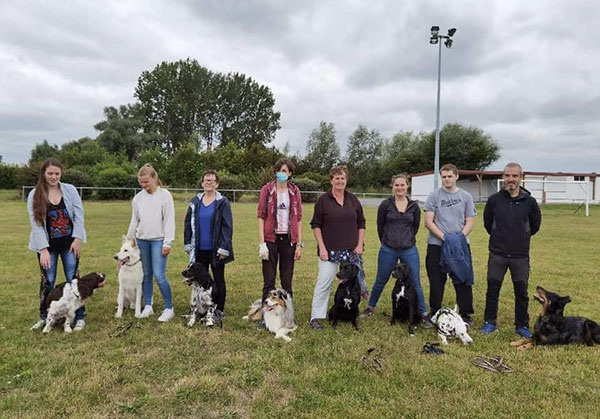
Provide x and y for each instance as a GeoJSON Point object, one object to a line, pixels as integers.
{"type": "Point", "coordinates": [188, 118]}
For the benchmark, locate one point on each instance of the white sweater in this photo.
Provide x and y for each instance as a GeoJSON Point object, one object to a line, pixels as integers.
{"type": "Point", "coordinates": [153, 216]}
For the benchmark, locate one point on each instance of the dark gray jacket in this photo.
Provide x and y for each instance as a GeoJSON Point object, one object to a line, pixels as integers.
{"type": "Point", "coordinates": [398, 229]}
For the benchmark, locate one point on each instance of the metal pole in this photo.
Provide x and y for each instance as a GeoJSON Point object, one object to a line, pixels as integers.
{"type": "Point", "coordinates": [436, 163]}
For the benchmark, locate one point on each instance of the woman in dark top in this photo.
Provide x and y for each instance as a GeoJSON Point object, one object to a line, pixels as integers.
{"type": "Point", "coordinates": [338, 224]}
{"type": "Point", "coordinates": [57, 230]}
{"type": "Point", "coordinates": [208, 232]}
{"type": "Point", "coordinates": [398, 220]}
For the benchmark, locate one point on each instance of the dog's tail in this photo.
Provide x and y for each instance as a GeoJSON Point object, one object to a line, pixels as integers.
{"type": "Point", "coordinates": [255, 311]}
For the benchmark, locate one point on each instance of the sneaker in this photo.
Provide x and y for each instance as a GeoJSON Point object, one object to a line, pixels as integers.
{"type": "Point", "coordinates": [315, 325]}
{"type": "Point", "coordinates": [468, 320]}
{"type": "Point", "coordinates": [488, 328]}
{"type": "Point", "coordinates": [426, 322]}
{"type": "Point", "coordinates": [166, 315]}
{"type": "Point", "coordinates": [147, 312]}
{"type": "Point", "coordinates": [79, 325]}
{"type": "Point", "coordinates": [523, 332]}
{"type": "Point", "coordinates": [367, 313]}
{"type": "Point", "coordinates": [38, 325]}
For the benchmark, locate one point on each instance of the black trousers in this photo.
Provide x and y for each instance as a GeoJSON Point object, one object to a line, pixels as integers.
{"type": "Point", "coordinates": [437, 282]}
{"type": "Point", "coordinates": [519, 273]}
{"type": "Point", "coordinates": [281, 251]}
{"type": "Point", "coordinates": [218, 273]}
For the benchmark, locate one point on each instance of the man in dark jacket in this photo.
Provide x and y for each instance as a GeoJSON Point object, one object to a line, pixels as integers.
{"type": "Point", "coordinates": [511, 217]}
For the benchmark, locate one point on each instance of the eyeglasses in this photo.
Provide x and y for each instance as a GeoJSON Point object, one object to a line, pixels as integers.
{"type": "Point", "coordinates": [210, 181]}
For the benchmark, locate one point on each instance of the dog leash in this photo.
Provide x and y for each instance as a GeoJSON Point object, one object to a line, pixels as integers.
{"type": "Point", "coordinates": [373, 360]}
{"type": "Point", "coordinates": [432, 349]}
{"type": "Point", "coordinates": [492, 363]}
{"type": "Point", "coordinates": [122, 330]}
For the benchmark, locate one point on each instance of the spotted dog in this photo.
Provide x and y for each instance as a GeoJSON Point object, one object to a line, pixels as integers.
{"type": "Point", "coordinates": [203, 295]}
{"type": "Point", "coordinates": [449, 324]}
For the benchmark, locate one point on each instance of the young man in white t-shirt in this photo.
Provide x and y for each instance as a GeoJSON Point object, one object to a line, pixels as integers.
{"type": "Point", "coordinates": [448, 210]}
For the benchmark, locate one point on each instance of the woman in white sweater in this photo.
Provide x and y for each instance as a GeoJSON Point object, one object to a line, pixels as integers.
{"type": "Point", "coordinates": [153, 226]}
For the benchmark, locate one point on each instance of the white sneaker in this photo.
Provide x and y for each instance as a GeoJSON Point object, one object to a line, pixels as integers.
{"type": "Point", "coordinates": [166, 315]}
{"type": "Point", "coordinates": [38, 325]}
{"type": "Point", "coordinates": [79, 325]}
{"type": "Point", "coordinates": [147, 312]}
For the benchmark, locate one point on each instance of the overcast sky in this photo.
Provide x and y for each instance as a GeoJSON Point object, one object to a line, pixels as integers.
{"type": "Point", "coordinates": [527, 72]}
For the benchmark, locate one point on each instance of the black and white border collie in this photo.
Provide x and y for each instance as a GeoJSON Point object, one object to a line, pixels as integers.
{"type": "Point", "coordinates": [347, 296]}
{"type": "Point", "coordinates": [203, 295]}
{"type": "Point", "coordinates": [64, 300]}
{"type": "Point", "coordinates": [277, 311]}
{"type": "Point", "coordinates": [405, 304]}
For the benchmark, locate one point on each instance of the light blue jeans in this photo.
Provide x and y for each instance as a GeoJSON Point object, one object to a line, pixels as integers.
{"type": "Point", "coordinates": [70, 264]}
{"type": "Point", "coordinates": [154, 263]}
{"type": "Point", "coordinates": [387, 261]}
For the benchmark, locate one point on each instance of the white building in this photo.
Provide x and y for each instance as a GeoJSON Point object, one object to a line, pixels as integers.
{"type": "Point", "coordinates": [546, 187]}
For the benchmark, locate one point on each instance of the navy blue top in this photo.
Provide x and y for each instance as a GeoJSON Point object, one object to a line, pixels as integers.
{"type": "Point", "coordinates": [205, 215]}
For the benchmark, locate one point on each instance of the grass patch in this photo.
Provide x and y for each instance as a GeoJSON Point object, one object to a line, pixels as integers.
{"type": "Point", "coordinates": [168, 370]}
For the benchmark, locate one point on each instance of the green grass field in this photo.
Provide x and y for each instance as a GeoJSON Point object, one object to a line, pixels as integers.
{"type": "Point", "coordinates": [167, 370]}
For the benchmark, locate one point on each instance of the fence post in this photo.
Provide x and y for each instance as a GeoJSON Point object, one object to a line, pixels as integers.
{"type": "Point", "coordinates": [234, 195]}
{"type": "Point", "coordinates": [23, 193]}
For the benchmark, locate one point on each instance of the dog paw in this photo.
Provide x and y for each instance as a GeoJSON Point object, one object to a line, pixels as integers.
{"type": "Point", "coordinates": [46, 331]}
{"type": "Point", "coordinates": [118, 316]}
{"type": "Point", "coordinates": [68, 330]}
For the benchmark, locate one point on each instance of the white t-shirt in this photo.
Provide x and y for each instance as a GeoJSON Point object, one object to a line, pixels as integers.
{"type": "Point", "coordinates": [283, 213]}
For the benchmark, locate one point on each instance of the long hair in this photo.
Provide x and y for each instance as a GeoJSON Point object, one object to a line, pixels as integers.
{"type": "Point", "coordinates": [40, 196]}
{"type": "Point", "coordinates": [148, 170]}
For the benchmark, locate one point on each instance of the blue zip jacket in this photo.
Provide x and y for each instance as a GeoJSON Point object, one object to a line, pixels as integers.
{"type": "Point", "coordinates": [456, 260]}
{"type": "Point", "coordinates": [222, 229]}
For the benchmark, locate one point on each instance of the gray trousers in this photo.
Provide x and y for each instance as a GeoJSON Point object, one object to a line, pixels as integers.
{"type": "Point", "coordinates": [325, 277]}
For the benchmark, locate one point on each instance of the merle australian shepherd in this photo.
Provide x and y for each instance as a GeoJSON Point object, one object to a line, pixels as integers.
{"type": "Point", "coordinates": [347, 296]}
{"type": "Point", "coordinates": [64, 300]}
{"type": "Point", "coordinates": [203, 295]}
{"type": "Point", "coordinates": [405, 304]}
{"type": "Point", "coordinates": [553, 328]}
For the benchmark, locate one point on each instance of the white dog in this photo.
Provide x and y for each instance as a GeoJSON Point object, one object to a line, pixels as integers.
{"type": "Point", "coordinates": [131, 276]}
{"type": "Point", "coordinates": [449, 324]}
{"type": "Point", "coordinates": [277, 313]}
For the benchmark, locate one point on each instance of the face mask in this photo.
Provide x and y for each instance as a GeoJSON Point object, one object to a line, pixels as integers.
{"type": "Point", "coordinates": [281, 177]}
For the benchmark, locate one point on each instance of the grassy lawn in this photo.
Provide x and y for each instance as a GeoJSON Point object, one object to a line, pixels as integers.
{"type": "Point", "coordinates": [168, 370]}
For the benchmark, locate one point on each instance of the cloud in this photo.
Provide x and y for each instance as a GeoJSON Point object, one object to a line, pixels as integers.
{"type": "Point", "coordinates": [524, 72]}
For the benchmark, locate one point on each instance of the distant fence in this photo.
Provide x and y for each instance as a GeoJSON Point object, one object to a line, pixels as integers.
{"type": "Point", "coordinates": [250, 195]}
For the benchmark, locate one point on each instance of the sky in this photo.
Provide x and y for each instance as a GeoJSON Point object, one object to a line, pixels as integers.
{"type": "Point", "coordinates": [527, 73]}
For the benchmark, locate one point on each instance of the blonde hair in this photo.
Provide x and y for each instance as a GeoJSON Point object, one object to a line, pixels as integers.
{"type": "Point", "coordinates": [148, 170]}
{"type": "Point", "coordinates": [400, 176]}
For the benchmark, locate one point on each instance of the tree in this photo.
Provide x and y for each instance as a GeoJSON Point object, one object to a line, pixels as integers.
{"type": "Point", "coordinates": [468, 148]}
{"type": "Point", "coordinates": [84, 152]}
{"type": "Point", "coordinates": [122, 131]}
{"type": "Point", "coordinates": [43, 151]}
{"type": "Point", "coordinates": [364, 155]}
{"type": "Point", "coordinates": [323, 151]}
{"type": "Point", "coordinates": [184, 167]}
{"type": "Point", "coordinates": [185, 102]}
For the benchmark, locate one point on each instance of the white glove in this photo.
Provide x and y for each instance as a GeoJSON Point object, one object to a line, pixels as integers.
{"type": "Point", "coordinates": [263, 251]}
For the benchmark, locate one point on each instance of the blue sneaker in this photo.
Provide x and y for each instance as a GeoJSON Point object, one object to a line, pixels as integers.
{"type": "Point", "coordinates": [488, 328]}
{"type": "Point", "coordinates": [523, 332]}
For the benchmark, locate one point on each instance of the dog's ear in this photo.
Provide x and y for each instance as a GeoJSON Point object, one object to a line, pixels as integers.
{"type": "Point", "coordinates": [564, 300]}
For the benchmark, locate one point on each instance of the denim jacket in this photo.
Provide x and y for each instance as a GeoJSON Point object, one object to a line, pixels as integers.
{"type": "Point", "coordinates": [38, 239]}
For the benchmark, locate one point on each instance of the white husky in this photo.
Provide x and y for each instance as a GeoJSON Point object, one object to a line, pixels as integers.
{"type": "Point", "coordinates": [131, 276]}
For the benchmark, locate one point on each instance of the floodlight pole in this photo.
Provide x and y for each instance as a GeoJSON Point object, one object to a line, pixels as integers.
{"type": "Point", "coordinates": [436, 162]}
{"type": "Point", "coordinates": [436, 38]}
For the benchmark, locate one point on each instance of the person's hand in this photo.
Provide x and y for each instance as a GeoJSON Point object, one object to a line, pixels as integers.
{"type": "Point", "coordinates": [221, 257]}
{"type": "Point", "coordinates": [45, 258]}
{"type": "Point", "coordinates": [323, 255]}
{"type": "Point", "coordinates": [359, 250]}
{"type": "Point", "coordinates": [165, 250]}
{"type": "Point", "coordinates": [298, 253]}
{"type": "Point", "coordinates": [76, 247]}
{"type": "Point", "coordinates": [263, 251]}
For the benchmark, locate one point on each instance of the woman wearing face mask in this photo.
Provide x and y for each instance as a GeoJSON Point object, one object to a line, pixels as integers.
{"type": "Point", "coordinates": [279, 227]}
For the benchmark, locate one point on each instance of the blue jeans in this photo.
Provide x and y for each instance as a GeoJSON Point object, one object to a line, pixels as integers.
{"type": "Point", "coordinates": [70, 264]}
{"type": "Point", "coordinates": [386, 262]}
{"type": "Point", "coordinates": [154, 263]}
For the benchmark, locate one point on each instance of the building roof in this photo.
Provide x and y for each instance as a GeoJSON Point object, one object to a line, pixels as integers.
{"type": "Point", "coordinates": [498, 173]}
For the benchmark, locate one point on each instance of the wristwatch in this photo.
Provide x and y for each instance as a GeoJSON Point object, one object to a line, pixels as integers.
{"type": "Point", "coordinates": [300, 244]}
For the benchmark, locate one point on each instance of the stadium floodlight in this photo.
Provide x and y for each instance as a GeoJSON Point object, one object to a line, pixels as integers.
{"type": "Point", "coordinates": [434, 39]}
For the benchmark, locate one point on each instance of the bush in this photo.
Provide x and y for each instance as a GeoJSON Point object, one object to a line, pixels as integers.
{"type": "Point", "coordinates": [320, 178]}
{"type": "Point", "coordinates": [8, 175]}
{"type": "Point", "coordinates": [116, 177]}
{"type": "Point", "coordinates": [230, 182]}
{"type": "Point", "coordinates": [305, 184]}
{"type": "Point", "coordinates": [77, 178]}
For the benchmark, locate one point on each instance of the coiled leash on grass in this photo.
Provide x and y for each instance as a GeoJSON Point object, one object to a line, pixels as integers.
{"type": "Point", "coordinates": [492, 363]}
{"type": "Point", "coordinates": [432, 349]}
{"type": "Point", "coordinates": [122, 330]}
{"type": "Point", "coordinates": [373, 360]}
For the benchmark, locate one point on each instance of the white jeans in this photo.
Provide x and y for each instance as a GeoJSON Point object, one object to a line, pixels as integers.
{"type": "Point", "coordinates": [327, 271]}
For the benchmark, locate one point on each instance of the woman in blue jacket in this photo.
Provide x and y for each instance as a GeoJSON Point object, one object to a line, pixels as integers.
{"type": "Point", "coordinates": [398, 219]}
{"type": "Point", "coordinates": [208, 232]}
{"type": "Point", "coordinates": [57, 231]}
